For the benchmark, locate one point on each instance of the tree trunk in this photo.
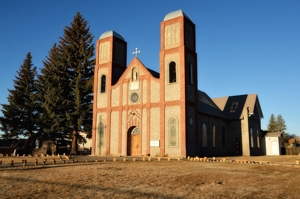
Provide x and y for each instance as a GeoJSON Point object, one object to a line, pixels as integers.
{"type": "Point", "coordinates": [74, 143]}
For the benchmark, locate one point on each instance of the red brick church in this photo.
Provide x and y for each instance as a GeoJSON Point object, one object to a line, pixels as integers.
{"type": "Point", "coordinates": [138, 111]}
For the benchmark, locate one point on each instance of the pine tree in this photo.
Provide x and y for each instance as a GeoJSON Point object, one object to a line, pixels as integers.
{"type": "Point", "coordinates": [20, 115]}
{"type": "Point", "coordinates": [272, 126]}
{"type": "Point", "coordinates": [53, 88]}
{"type": "Point", "coordinates": [278, 125]}
{"type": "Point", "coordinates": [77, 51]}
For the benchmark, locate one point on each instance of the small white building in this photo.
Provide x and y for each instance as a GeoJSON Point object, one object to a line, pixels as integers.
{"type": "Point", "coordinates": [272, 143]}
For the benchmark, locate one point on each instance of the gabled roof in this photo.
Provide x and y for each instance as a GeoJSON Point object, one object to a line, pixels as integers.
{"type": "Point", "coordinates": [135, 61]}
{"type": "Point", "coordinates": [207, 105]}
{"type": "Point", "coordinates": [152, 72]}
{"type": "Point", "coordinates": [273, 134]}
{"type": "Point", "coordinates": [233, 106]}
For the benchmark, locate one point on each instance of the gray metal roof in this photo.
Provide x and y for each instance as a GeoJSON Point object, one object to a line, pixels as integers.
{"type": "Point", "coordinates": [175, 14]}
{"type": "Point", "coordinates": [111, 33]}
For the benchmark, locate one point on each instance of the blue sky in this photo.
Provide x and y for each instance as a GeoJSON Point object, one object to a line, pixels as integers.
{"type": "Point", "coordinates": [243, 47]}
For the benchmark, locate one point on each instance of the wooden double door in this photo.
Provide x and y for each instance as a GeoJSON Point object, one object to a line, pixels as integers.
{"type": "Point", "coordinates": [134, 141]}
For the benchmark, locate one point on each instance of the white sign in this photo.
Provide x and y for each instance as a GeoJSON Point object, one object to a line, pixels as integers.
{"type": "Point", "coordinates": [134, 85]}
{"type": "Point", "coordinates": [154, 143]}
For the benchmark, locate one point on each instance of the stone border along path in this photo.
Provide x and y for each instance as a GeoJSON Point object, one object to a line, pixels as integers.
{"type": "Point", "coordinates": [61, 160]}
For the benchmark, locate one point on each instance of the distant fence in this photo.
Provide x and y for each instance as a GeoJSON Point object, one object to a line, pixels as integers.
{"type": "Point", "coordinates": [292, 150]}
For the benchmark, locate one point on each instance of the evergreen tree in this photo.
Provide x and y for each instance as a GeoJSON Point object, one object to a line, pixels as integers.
{"type": "Point", "coordinates": [52, 90]}
{"type": "Point", "coordinates": [77, 51]}
{"type": "Point", "coordinates": [272, 126]}
{"type": "Point", "coordinates": [20, 115]}
{"type": "Point", "coordinates": [278, 125]}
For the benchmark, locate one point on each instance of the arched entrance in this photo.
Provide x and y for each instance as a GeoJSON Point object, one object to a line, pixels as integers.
{"type": "Point", "coordinates": [133, 141]}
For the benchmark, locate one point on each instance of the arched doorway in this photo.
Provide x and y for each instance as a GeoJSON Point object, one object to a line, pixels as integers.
{"type": "Point", "coordinates": [133, 141]}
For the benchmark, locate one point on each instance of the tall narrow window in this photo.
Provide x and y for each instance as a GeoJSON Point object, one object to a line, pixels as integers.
{"type": "Point", "coordinates": [251, 138]}
{"type": "Point", "coordinates": [173, 135]}
{"type": "Point", "coordinates": [258, 140]}
{"type": "Point", "coordinates": [214, 136]}
{"type": "Point", "coordinates": [103, 84]}
{"type": "Point", "coordinates": [223, 137]}
{"type": "Point", "coordinates": [190, 75]}
{"type": "Point", "coordinates": [172, 72]}
{"type": "Point", "coordinates": [204, 135]}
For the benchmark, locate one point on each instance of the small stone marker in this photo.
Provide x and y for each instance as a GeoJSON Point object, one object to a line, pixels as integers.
{"type": "Point", "coordinates": [104, 160]}
{"type": "Point", "coordinates": [23, 155]}
{"type": "Point", "coordinates": [143, 159]}
{"type": "Point", "coordinates": [36, 162]}
{"type": "Point", "coordinates": [169, 159]}
{"type": "Point", "coordinates": [297, 161]}
{"type": "Point", "coordinates": [133, 159]}
{"type": "Point", "coordinates": [178, 159]}
{"type": "Point", "coordinates": [149, 159]}
{"type": "Point", "coordinates": [96, 160]}
{"type": "Point", "coordinates": [87, 160]}
{"type": "Point", "coordinates": [124, 159]}
{"type": "Point", "coordinates": [12, 163]}
{"type": "Point", "coordinates": [17, 155]}
{"type": "Point", "coordinates": [54, 161]}
{"type": "Point", "coordinates": [114, 159]}
{"type": "Point", "coordinates": [158, 159]}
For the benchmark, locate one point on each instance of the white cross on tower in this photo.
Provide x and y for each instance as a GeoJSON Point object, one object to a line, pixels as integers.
{"type": "Point", "coordinates": [136, 52]}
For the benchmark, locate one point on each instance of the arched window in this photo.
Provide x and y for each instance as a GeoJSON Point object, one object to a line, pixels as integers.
{"type": "Point", "coordinates": [223, 137]}
{"type": "Point", "coordinates": [251, 138]}
{"type": "Point", "coordinates": [258, 140]}
{"type": "Point", "coordinates": [134, 74]}
{"type": "Point", "coordinates": [204, 135]}
{"type": "Point", "coordinates": [103, 84]}
{"type": "Point", "coordinates": [214, 135]}
{"type": "Point", "coordinates": [190, 73]}
{"type": "Point", "coordinates": [172, 72]}
{"type": "Point", "coordinates": [135, 131]}
{"type": "Point", "coordinates": [101, 134]}
{"type": "Point", "coordinates": [173, 135]}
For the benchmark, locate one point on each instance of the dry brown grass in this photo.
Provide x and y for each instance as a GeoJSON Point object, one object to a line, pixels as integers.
{"type": "Point", "coordinates": [153, 179]}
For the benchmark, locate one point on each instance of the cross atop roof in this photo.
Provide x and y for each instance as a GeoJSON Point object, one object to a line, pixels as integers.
{"type": "Point", "coordinates": [136, 52]}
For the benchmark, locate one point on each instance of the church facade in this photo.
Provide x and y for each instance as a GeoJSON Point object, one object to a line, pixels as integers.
{"type": "Point", "coordinates": [140, 112]}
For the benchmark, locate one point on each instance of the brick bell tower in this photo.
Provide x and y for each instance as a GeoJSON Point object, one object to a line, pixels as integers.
{"type": "Point", "coordinates": [179, 85]}
{"type": "Point", "coordinates": [111, 50]}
